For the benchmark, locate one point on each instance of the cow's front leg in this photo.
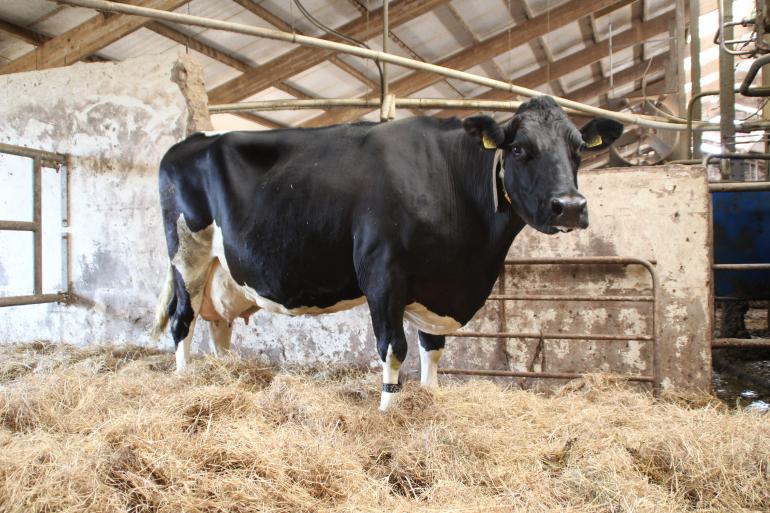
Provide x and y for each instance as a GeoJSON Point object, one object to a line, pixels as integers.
{"type": "Point", "coordinates": [431, 347]}
{"type": "Point", "coordinates": [391, 383]}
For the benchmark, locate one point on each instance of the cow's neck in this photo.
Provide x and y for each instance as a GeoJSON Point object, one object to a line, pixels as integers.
{"type": "Point", "coordinates": [473, 176]}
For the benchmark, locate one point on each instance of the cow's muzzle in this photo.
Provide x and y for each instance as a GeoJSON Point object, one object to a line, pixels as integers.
{"type": "Point", "coordinates": [569, 211]}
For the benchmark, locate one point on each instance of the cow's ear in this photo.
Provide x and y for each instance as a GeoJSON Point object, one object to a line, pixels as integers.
{"type": "Point", "coordinates": [599, 133]}
{"type": "Point", "coordinates": [485, 130]}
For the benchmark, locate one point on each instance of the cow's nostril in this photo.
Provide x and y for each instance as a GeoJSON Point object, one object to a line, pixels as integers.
{"type": "Point", "coordinates": [557, 207]}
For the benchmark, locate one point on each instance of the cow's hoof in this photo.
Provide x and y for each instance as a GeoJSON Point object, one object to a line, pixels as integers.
{"type": "Point", "coordinates": [386, 400]}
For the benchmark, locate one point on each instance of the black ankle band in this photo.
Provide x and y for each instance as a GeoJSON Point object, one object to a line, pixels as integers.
{"type": "Point", "coordinates": [391, 388]}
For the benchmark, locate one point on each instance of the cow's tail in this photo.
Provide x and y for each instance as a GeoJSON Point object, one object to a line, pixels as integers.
{"type": "Point", "coordinates": [161, 310]}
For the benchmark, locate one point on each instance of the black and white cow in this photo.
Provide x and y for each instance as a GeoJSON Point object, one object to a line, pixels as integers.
{"type": "Point", "coordinates": [414, 217]}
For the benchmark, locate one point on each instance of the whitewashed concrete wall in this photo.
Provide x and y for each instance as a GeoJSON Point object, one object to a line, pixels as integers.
{"type": "Point", "coordinates": [658, 214]}
{"type": "Point", "coordinates": [116, 120]}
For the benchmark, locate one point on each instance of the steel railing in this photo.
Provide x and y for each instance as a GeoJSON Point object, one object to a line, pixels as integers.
{"type": "Point", "coordinates": [654, 379]}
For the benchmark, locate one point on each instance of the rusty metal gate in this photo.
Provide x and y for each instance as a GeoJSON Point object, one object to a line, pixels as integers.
{"type": "Point", "coordinates": [502, 297]}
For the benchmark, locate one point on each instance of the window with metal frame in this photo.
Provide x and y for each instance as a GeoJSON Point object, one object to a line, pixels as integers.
{"type": "Point", "coordinates": [34, 219]}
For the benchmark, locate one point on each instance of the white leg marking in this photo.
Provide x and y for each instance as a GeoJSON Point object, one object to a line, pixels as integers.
{"type": "Point", "coordinates": [429, 367]}
{"type": "Point", "coordinates": [220, 332]}
{"type": "Point", "coordinates": [390, 368]}
{"type": "Point", "coordinates": [183, 349]}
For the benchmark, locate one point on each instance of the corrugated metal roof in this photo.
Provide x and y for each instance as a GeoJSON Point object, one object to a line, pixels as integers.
{"type": "Point", "coordinates": [328, 81]}
{"type": "Point", "coordinates": [487, 21]}
{"type": "Point", "coordinates": [428, 37]}
{"type": "Point", "coordinates": [332, 13]}
{"type": "Point", "coordinates": [452, 26]}
{"type": "Point", "coordinates": [26, 13]}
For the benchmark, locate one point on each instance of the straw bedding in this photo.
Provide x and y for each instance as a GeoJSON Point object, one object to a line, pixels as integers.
{"type": "Point", "coordinates": [113, 429]}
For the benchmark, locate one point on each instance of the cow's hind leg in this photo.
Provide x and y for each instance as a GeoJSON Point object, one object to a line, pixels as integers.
{"type": "Point", "coordinates": [220, 331]}
{"type": "Point", "coordinates": [386, 303]}
{"type": "Point", "coordinates": [184, 318]}
{"type": "Point", "coordinates": [191, 266]}
{"type": "Point", "coordinates": [431, 347]}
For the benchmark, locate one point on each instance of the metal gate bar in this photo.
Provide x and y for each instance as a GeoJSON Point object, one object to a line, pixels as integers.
{"type": "Point", "coordinates": [753, 343]}
{"type": "Point", "coordinates": [39, 158]}
{"type": "Point", "coordinates": [655, 379]}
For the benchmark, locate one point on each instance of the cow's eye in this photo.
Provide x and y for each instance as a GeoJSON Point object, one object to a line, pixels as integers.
{"type": "Point", "coordinates": [517, 151]}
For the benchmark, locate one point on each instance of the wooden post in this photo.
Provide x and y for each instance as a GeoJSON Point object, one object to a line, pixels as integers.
{"type": "Point", "coordinates": [727, 96]}
{"type": "Point", "coordinates": [679, 46]}
{"type": "Point", "coordinates": [695, 73]}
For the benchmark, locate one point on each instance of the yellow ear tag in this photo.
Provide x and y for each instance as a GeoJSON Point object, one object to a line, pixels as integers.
{"type": "Point", "coordinates": [488, 143]}
{"type": "Point", "coordinates": [593, 143]}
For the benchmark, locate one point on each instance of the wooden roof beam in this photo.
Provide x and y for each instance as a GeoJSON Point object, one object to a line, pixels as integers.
{"type": "Point", "coordinates": [356, 73]}
{"type": "Point", "coordinates": [218, 55]}
{"type": "Point", "coordinates": [489, 48]}
{"type": "Point", "coordinates": [521, 14]}
{"type": "Point", "coordinates": [199, 46]}
{"type": "Point", "coordinates": [28, 36]}
{"type": "Point", "coordinates": [266, 15]}
{"type": "Point", "coordinates": [628, 75]}
{"type": "Point", "coordinates": [35, 38]}
{"type": "Point", "coordinates": [281, 24]}
{"type": "Point", "coordinates": [467, 38]}
{"type": "Point", "coordinates": [639, 31]}
{"type": "Point", "coordinates": [255, 118]}
{"type": "Point", "coordinates": [85, 39]}
{"type": "Point", "coordinates": [302, 58]}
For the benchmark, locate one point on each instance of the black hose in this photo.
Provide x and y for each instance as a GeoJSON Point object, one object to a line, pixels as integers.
{"type": "Point", "coordinates": [751, 75]}
{"type": "Point", "coordinates": [344, 37]}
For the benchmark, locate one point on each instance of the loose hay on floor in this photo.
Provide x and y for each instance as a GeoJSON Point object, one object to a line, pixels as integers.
{"type": "Point", "coordinates": [112, 429]}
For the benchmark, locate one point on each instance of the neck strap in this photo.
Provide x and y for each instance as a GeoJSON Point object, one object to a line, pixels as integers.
{"type": "Point", "coordinates": [498, 172]}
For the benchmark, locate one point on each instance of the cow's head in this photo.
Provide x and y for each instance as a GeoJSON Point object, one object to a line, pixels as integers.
{"type": "Point", "coordinates": [541, 154]}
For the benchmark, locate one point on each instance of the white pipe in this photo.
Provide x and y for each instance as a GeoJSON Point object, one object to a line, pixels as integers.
{"type": "Point", "coordinates": [103, 5]}
{"type": "Point", "coordinates": [267, 105]}
{"type": "Point", "coordinates": [385, 107]}
{"type": "Point", "coordinates": [411, 103]}
{"type": "Point", "coordinates": [406, 103]}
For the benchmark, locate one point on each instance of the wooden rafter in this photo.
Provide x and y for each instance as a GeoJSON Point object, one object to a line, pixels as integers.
{"type": "Point", "coordinates": [639, 31]}
{"type": "Point", "coordinates": [302, 58]}
{"type": "Point", "coordinates": [281, 24]}
{"type": "Point", "coordinates": [587, 27]}
{"type": "Point", "coordinates": [414, 55]}
{"type": "Point", "coordinates": [606, 10]}
{"type": "Point", "coordinates": [255, 118]}
{"type": "Point", "coordinates": [622, 78]}
{"type": "Point", "coordinates": [266, 15]}
{"type": "Point", "coordinates": [355, 72]}
{"type": "Point", "coordinates": [521, 14]}
{"type": "Point", "coordinates": [213, 53]}
{"type": "Point", "coordinates": [199, 46]}
{"type": "Point", "coordinates": [28, 36]}
{"type": "Point", "coordinates": [85, 39]}
{"type": "Point", "coordinates": [455, 24]}
{"type": "Point", "coordinates": [36, 38]}
{"type": "Point", "coordinates": [469, 57]}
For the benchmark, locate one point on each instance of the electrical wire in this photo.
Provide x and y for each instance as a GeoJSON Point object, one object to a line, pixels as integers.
{"type": "Point", "coordinates": [344, 37]}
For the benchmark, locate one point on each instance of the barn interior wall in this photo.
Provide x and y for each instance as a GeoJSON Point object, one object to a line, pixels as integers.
{"type": "Point", "coordinates": [117, 120]}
